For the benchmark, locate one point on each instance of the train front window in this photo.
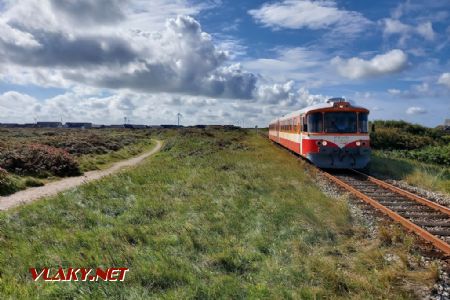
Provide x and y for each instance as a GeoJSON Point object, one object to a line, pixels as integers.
{"type": "Point", "coordinates": [363, 122]}
{"type": "Point", "coordinates": [315, 122]}
{"type": "Point", "coordinates": [340, 122]}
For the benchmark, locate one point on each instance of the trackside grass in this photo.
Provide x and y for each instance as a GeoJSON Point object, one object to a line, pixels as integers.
{"type": "Point", "coordinates": [216, 214]}
{"type": "Point", "coordinates": [427, 176]}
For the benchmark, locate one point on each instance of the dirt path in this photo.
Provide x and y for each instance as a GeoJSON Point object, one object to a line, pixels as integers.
{"type": "Point", "coordinates": [53, 188]}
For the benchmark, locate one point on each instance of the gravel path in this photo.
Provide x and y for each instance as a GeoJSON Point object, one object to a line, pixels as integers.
{"type": "Point", "coordinates": [53, 188]}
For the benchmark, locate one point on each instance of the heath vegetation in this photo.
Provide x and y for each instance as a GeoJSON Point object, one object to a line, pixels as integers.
{"type": "Point", "coordinates": [411, 152]}
{"type": "Point", "coordinates": [216, 214]}
{"type": "Point", "coordinates": [28, 157]}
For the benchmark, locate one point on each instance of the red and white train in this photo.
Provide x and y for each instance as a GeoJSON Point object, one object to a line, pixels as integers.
{"type": "Point", "coordinates": [330, 135]}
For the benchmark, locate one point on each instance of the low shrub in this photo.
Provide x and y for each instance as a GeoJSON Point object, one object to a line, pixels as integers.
{"type": "Point", "coordinates": [414, 129]}
{"type": "Point", "coordinates": [7, 184]}
{"type": "Point", "coordinates": [437, 155]}
{"type": "Point", "coordinates": [39, 160]}
{"type": "Point", "coordinates": [397, 139]}
{"type": "Point", "coordinates": [79, 144]}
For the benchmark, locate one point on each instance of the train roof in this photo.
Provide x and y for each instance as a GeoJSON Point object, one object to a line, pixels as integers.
{"type": "Point", "coordinates": [328, 104]}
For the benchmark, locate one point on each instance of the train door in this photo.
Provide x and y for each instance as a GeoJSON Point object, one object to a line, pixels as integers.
{"type": "Point", "coordinates": [302, 130]}
{"type": "Point", "coordinates": [297, 134]}
{"type": "Point", "coordinates": [278, 131]}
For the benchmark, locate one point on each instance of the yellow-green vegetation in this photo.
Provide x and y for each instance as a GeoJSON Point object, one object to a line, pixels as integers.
{"type": "Point", "coordinates": [90, 162]}
{"type": "Point", "coordinates": [428, 176]}
{"type": "Point", "coordinates": [33, 156]}
{"type": "Point", "coordinates": [215, 214]}
{"type": "Point", "coordinates": [416, 154]}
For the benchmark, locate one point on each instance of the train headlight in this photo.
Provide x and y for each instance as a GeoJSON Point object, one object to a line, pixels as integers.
{"type": "Point", "coordinates": [324, 143]}
{"type": "Point", "coordinates": [358, 143]}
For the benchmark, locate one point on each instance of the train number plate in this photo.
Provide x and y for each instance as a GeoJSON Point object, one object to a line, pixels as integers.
{"type": "Point", "coordinates": [341, 141]}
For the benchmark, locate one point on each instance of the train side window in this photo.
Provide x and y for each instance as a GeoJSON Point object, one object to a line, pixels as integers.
{"type": "Point", "coordinates": [363, 123]}
{"type": "Point", "coordinates": [315, 122]}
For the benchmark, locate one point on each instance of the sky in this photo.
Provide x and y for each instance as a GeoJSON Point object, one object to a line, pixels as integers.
{"type": "Point", "coordinates": [221, 61]}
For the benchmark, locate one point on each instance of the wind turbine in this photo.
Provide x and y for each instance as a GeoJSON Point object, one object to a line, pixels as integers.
{"type": "Point", "coordinates": [179, 116]}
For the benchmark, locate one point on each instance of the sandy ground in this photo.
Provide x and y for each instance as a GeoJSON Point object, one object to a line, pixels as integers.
{"type": "Point", "coordinates": [53, 188]}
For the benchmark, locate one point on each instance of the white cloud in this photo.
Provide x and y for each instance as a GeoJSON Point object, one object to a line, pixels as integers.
{"type": "Point", "coordinates": [286, 95]}
{"type": "Point", "coordinates": [17, 37]}
{"type": "Point", "coordinates": [301, 64]}
{"type": "Point", "coordinates": [16, 106]}
{"type": "Point", "coordinates": [180, 58]}
{"type": "Point", "coordinates": [426, 31]}
{"type": "Point", "coordinates": [444, 79]}
{"type": "Point", "coordinates": [297, 14]}
{"type": "Point", "coordinates": [416, 110]}
{"type": "Point", "coordinates": [405, 31]}
{"type": "Point", "coordinates": [356, 68]}
{"type": "Point", "coordinates": [79, 16]}
{"type": "Point", "coordinates": [394, 91]}
{"type": "Point", "coordinates": [417, 91]}
{"type": "Point", "coordinates": [393, 26]}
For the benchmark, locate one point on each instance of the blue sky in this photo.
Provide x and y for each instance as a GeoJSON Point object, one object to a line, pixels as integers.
{"type": "Point", "coordinates": [221, 62]}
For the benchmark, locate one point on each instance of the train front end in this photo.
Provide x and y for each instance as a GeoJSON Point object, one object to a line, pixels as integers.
{"type": "Point", "coordinates": [337, 136]}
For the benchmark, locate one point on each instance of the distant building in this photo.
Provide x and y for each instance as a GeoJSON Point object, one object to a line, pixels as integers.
{"type": "Point", "coordinates": [9, 125]}
{"type": "Point", "coordinates": [82, 125]}
{"type": "Point", "coordinates": [232, 127]}
{"type": "Point", "coordinates": [135, 126]}
{"type": "Point", "coordinates": [115, 126]}
{"type": "Point", "coordinates": [49, 124]}
{"type": "Point", "coordinates": [170, 126]}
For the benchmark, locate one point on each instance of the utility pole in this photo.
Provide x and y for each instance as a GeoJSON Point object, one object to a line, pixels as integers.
{"type": "Point", "coordinates": [178, 117]}
{"type": "Point", "coordinates": [125, 120]}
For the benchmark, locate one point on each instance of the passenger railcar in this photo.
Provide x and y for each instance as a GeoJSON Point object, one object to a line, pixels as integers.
{"type": "Point", "coordinates": [330, 135]}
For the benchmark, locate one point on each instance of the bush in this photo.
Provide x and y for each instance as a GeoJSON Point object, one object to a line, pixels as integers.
{"type": "Point", "coordinates": [437, 155]}
{"type": "Point", "coordinates": [39, 160]}
{"type": "Point", "coordinates": [396, 139]}
{"type": "Point", "coordinates": [92, 143]}
{"type": "Point", "coordinates": [400, 135]}
{"type": "Point", "coordinates": [7, 184]}
{"type": "Point", "coordinates": [414, 129]}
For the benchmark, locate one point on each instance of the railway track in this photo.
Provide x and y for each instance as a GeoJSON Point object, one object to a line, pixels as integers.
{"type": "Point", "coordinates": [427, 219]}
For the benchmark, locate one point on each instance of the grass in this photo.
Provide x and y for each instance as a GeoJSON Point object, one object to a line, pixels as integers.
{"type": "Point", "coordinates": [136, 143]}
{"type": "Point", "coordinates": [102, 161]}
{"type": "Point", "coordinates": [15, 183]}
{"type": "Point", "coordinates": [214, 215]}
{"type": "Point", "coordinates": [419, 174]}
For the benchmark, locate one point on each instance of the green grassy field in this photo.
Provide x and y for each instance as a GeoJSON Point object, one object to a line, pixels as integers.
{"type": "Point", "coordinates": [102, 161]}
{"type": "Point", "coordinates": [416, 154]}
{"type": "Point", "coordinates": [427, 176]}
{"type": "Point", "coordinates": [214, 215]}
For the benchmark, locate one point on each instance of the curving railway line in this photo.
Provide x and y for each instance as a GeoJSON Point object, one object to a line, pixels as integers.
{"type": "Point", "coordinates": [427, 219]}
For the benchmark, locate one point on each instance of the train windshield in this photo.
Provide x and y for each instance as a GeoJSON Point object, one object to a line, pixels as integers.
{"type": "Point", "coordinates": [340, 122]}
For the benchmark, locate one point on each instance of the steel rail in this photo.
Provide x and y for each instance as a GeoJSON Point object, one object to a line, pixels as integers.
{"type": "Point", "coordinates": [407, 194]}
{"type": "Point", "coordinates": [437, 242]}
